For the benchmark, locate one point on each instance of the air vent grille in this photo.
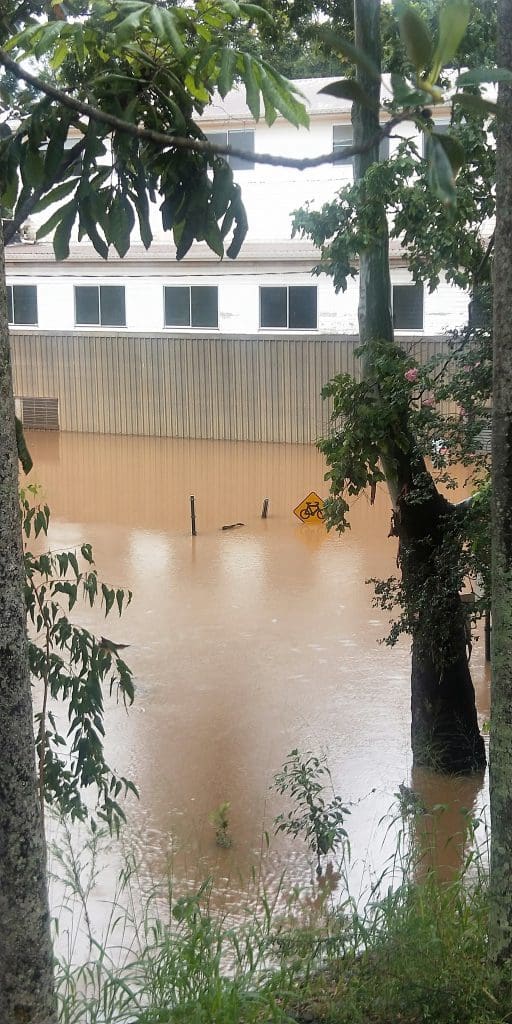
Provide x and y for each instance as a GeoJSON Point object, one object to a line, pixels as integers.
{"type": "Point", "coordinates": [40, 413]}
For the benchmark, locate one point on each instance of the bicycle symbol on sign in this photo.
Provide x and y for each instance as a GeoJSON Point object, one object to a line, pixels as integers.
{"type": "Point", "coordinates": [311, 509]}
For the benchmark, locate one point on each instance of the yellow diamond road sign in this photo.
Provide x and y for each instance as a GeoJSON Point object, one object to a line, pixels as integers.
{"type": "Point", "coordinates": [311, 509]}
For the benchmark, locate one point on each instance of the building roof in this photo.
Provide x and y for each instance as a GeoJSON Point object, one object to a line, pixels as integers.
{"type": "Point", "coordinates": [233, 106]}
{"type": "Point", "coordinates": [293, 251]}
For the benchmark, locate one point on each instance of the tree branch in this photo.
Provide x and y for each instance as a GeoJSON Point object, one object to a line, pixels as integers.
{"type": "Point", "coordinates": [194, 145]}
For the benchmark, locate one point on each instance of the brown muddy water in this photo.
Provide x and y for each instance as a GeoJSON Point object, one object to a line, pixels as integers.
{"type": "Point", "coordinates": [244, 644]}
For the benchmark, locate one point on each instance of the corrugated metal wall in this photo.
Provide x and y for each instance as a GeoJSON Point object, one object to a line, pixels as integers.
{"type": "Point", "coordinates": [252, 388]}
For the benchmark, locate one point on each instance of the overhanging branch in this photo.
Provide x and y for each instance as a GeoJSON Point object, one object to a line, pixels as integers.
{"type": "Point", "coordinates": [194, 145]}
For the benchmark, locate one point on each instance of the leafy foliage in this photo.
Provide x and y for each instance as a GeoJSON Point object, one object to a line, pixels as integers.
{"type": "Point", "coordinates": [439, 411]}
{"type": "Point", "coordinates": [303, 777]}
{"type": "Point", "coordinates": [144, 64]}
{"type": "Point", "coordinates": [73, 667]}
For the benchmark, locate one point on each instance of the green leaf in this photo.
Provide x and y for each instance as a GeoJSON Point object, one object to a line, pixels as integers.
{"type": "Point", "coordinates": [227, 71]}
{"type": "Point", "coordinates": [257, 12]}
{"type": "Point", "coordinates": [86, 552]}
{"type": "Point", "coordinates": [252, 89]}
{"type": "Point", "coordinates": [55, 218]}
{"type": "Point", "coordinates": [474, 104]}
{"type": "Point", "coordinates": [32, 167]}
{"type": "Point", "coordinates": [416, 38]}
{"type": "Point", "coordinates": [441, 178]}
{"type": "Point", "coordinates": [120, 224]}
{"type": "Point", "coordinates": [56, 194]}
{"type": "Point", "coordinates": [453, 22]}
{"type": "Point", "coordinates": [213, 238]}
{"type": "Point", "coordinates": [63, 232]}
{"type": "Point", "coordinates": [339, 44]}
{"type": "Point", "coordinates": [109, 596]}
{"type": "Point", "coordinates": [454, 151]}
{"type": "Point", "coordinates": [405, 95]}
{"type": "Point", "coordinates": [349, 89]}
{"type": "Point", "coordinates": [164, 26]}
{"type": "Point", "coordinates": [55, 150]}
{"type": "Point", "coordinates": [478, 76]}
{"type": "Point", "coordinates": [127, 28]}
{"type": "Point", "coordinates": [231, 7]}
{"type": "Point", "coordinates": [277, 91]}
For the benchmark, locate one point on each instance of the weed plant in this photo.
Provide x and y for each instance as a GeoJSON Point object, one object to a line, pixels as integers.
{"type": "Point", "coordinates": [414, 953]}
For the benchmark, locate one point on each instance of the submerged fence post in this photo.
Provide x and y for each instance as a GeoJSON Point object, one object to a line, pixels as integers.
{"type": "Point", "coordinates": [193, 515]}
{"type": "Point", "coordinates": [264, 511]}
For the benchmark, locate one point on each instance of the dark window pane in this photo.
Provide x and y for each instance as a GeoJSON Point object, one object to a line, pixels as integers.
{"type": "Point", "coordinates": [9, 304]}
{"type": "Point", "coordinates": [113, 313]}
{"type": "Point", "coordinates": [204, 307]}
{"type": "Point", "coordinates": [245, 142]}
{"type": "Point", "coordinates": [87, 304]}
{"type": "Point", "coordinates": [408, 307]}
{"type": "Point", "coordinates": [24, 301]}
{"type": "Point", "coordinates": [273, 307]}
{"type": "Point", "coordinates": [303, 303]}
{"type": "Point", "coordinates": [442, 127]}
{"type": "Point", "coordinates": [177, 307]}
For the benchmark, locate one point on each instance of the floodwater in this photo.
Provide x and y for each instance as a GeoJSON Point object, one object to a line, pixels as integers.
{"type": "Point", "coordinates": [244, 644]}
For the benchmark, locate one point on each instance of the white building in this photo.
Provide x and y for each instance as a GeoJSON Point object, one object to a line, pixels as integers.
{"type": "Point", "coordinates": [267, 290]}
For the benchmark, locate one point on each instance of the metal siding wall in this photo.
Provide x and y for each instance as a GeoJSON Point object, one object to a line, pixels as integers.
{"type": "Point", "coordinates": [225, 388]}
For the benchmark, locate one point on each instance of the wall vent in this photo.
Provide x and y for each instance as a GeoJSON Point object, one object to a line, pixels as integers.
{"type": "Point", "coordinates": [40, 413]}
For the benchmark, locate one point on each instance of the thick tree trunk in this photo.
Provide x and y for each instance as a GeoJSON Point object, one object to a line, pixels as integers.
{"type": "Point", "coordinates": [445, 734]}
{"type": "Point", "coordinates": [501, 695]}
{"type": "Point", "coordinates": [26, 960]}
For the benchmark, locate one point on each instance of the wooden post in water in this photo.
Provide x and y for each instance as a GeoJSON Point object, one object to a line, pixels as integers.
{"type": "Point", "coordinates": [264, 511]}
{"type": "Point", "coordinates": [193, 515]}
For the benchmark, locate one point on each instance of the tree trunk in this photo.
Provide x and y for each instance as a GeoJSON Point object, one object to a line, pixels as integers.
{"type": "Point", "coordinates": [501, 693]}
{"type": "Point", "coordinates": [26, 960]}
{"type": "Point", "coordinates": [444, 733]}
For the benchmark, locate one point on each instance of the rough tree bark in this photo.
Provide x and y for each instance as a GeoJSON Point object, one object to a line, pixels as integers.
{"type": "Point", "coordinates": [444, 732]}
{"type": "Point", "coordinates": [501, 691]}
{"type": "Point", "coordinates": [26, 959]}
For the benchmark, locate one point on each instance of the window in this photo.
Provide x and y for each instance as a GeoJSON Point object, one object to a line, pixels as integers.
{"type": "Point", "coordinates": [191, 307]}
{"type": "Point", "coordinates": [243, 140]}
{"type": "Point", "coordinates": [408, 307]}
{"type": "Point", "coordinates": [100, 305]}
{"type": "Point", "coordinates": [22, 304]}
{"type": "Point", "coordinates": [294, 307]}
{"type": "Point", "coordinates": [342, 138]}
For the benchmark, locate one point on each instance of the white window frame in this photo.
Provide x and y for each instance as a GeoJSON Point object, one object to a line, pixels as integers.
{"type": "Point", "coordinates": [286, 287]}
{"type": "Point", "coordinates": [408, 330]}
{"type": "Point", "coordinates": [230, 140]}
{"type": "Point", "coordinates": [78, 323]}
{"type": "Point", "coordinates": [338, 146]}
{"type": "Point", "coordinates": [10, 292]}
{"type": "Point", "coordinates": [190, 327]}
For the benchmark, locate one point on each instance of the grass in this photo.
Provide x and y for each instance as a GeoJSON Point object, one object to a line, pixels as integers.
{"type": "Point", "coordinates": [414, 953]}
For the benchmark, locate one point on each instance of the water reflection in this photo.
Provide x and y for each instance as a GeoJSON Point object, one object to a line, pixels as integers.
{"type": "Point", "coordinates": [244, 643]}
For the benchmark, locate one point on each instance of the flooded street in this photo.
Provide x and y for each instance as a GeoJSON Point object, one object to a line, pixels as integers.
{"type": "Point", "coordinates": [244, 644]}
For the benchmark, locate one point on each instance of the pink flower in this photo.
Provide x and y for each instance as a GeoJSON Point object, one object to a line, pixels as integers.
{"type": "Point", "coordinates": [428, 402]}
{"type": "Point", "coordinates": [411, 375]}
